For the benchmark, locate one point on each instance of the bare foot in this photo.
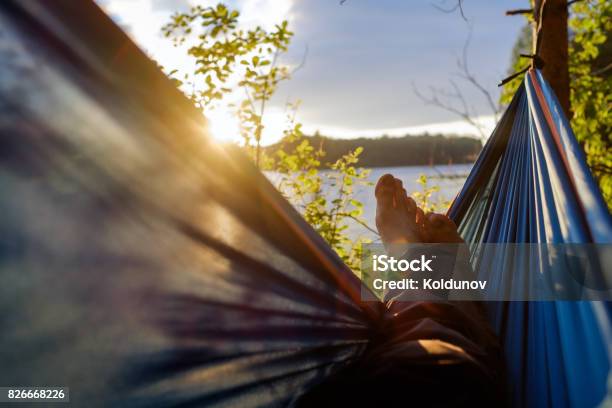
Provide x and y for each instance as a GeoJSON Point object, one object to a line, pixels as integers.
{"type": "Point", "coordinates": [396, 213]}
{"type": "Point", "coordinates": [400, 221]}
{"type": "Point", "coordinates": [440, 228]}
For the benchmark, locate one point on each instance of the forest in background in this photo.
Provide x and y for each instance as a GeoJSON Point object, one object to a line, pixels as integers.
{"type": "Point", "coordinates": [388, 151]}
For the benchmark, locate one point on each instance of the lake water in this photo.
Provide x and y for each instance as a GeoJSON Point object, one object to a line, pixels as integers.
{"type": "Point", "coordinates": [450, 178]}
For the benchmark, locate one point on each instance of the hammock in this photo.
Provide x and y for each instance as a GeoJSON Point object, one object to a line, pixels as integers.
{"type": "Point", "coordinates": [143, 265]}
{"type": "Point", "coordinates": [531, 184]}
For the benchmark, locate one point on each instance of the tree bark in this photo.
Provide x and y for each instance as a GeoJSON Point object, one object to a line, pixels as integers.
{"type": "Point", "coordinates": [554, 47]}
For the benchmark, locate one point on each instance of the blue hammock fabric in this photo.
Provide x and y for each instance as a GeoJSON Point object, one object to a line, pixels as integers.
{"type": "Point", "coordinates": [531, 185]}
{"type": "Point", "coordinates": [143, 265]}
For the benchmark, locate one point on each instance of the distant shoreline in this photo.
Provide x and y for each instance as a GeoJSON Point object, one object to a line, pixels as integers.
{"type": "Point", "coordinates": [440, 175]}
{"type": "Point", "coordinates": [423, 150]}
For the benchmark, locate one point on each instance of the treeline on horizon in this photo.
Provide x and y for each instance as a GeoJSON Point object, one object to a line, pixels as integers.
{"type": "Point", "coordinates": [388, 151]}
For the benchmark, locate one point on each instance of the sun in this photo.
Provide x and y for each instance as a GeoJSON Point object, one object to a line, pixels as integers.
{"type": "Point", "coordinates": [224, 125]}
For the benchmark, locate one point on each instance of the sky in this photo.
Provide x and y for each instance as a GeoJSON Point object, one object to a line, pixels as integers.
{"type": "Point", "coordinates": [362, 60]}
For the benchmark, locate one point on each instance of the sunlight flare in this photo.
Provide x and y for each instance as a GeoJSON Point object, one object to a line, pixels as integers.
{"type": "Point", "coordinates": [224, 125]}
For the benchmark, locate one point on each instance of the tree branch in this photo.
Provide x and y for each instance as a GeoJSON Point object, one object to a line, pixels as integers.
{"type": "Point", "coordinates": [601, 168]}
{"type": "Point", "coordinates": [457, 6]}
{"type": "Point", "coordinates": [456, 102]}
{"type": "Point", "coordinates": [602, 70]}
{"type": "Point", "coordinates": [463, 112]}
{"type": "Point", "coordinates": [519, 11]}
{"type": "Point", "coordinates": [303, 62]}
{"type": "Point", "coordinates": [362, 223]}
{"type": "Point", "coordinates": [530, 10]}
{"type": "Point", "coordinates": [469, 77]}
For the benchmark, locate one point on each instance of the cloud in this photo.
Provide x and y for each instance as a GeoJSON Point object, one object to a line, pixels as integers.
{"type": "Point", "coordinates": [265, 13]}
{"type": "Point", "coordinates": [172, 5]}
{"type": "Point", "coordinates": [459, 128]}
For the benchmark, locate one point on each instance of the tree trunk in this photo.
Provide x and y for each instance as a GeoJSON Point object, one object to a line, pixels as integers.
{"type": "Point", "coordinates": [554, 47]}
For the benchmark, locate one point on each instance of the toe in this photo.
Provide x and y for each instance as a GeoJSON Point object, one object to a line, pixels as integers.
{"type": "Point", "coordinates": [411, 207]}
{"type": "Point", "coordinates": [399, 197]}
{"type": "Point", "coordinates": [385, 182]}
{"type": "Point", "coordinates": [441, 228]}
{"type": "Point", "coordinates": [440, 220]}
{"type": "Point", "coordinates": [420, 215]}
{"type": "Point", "coordinates": [385, 190]}
{"type": "Point", "coordinates": [421, 224]}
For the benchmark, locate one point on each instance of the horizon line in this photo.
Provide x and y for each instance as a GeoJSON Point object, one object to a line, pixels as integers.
{"type": "Point", "coordinates": [451, 128]}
